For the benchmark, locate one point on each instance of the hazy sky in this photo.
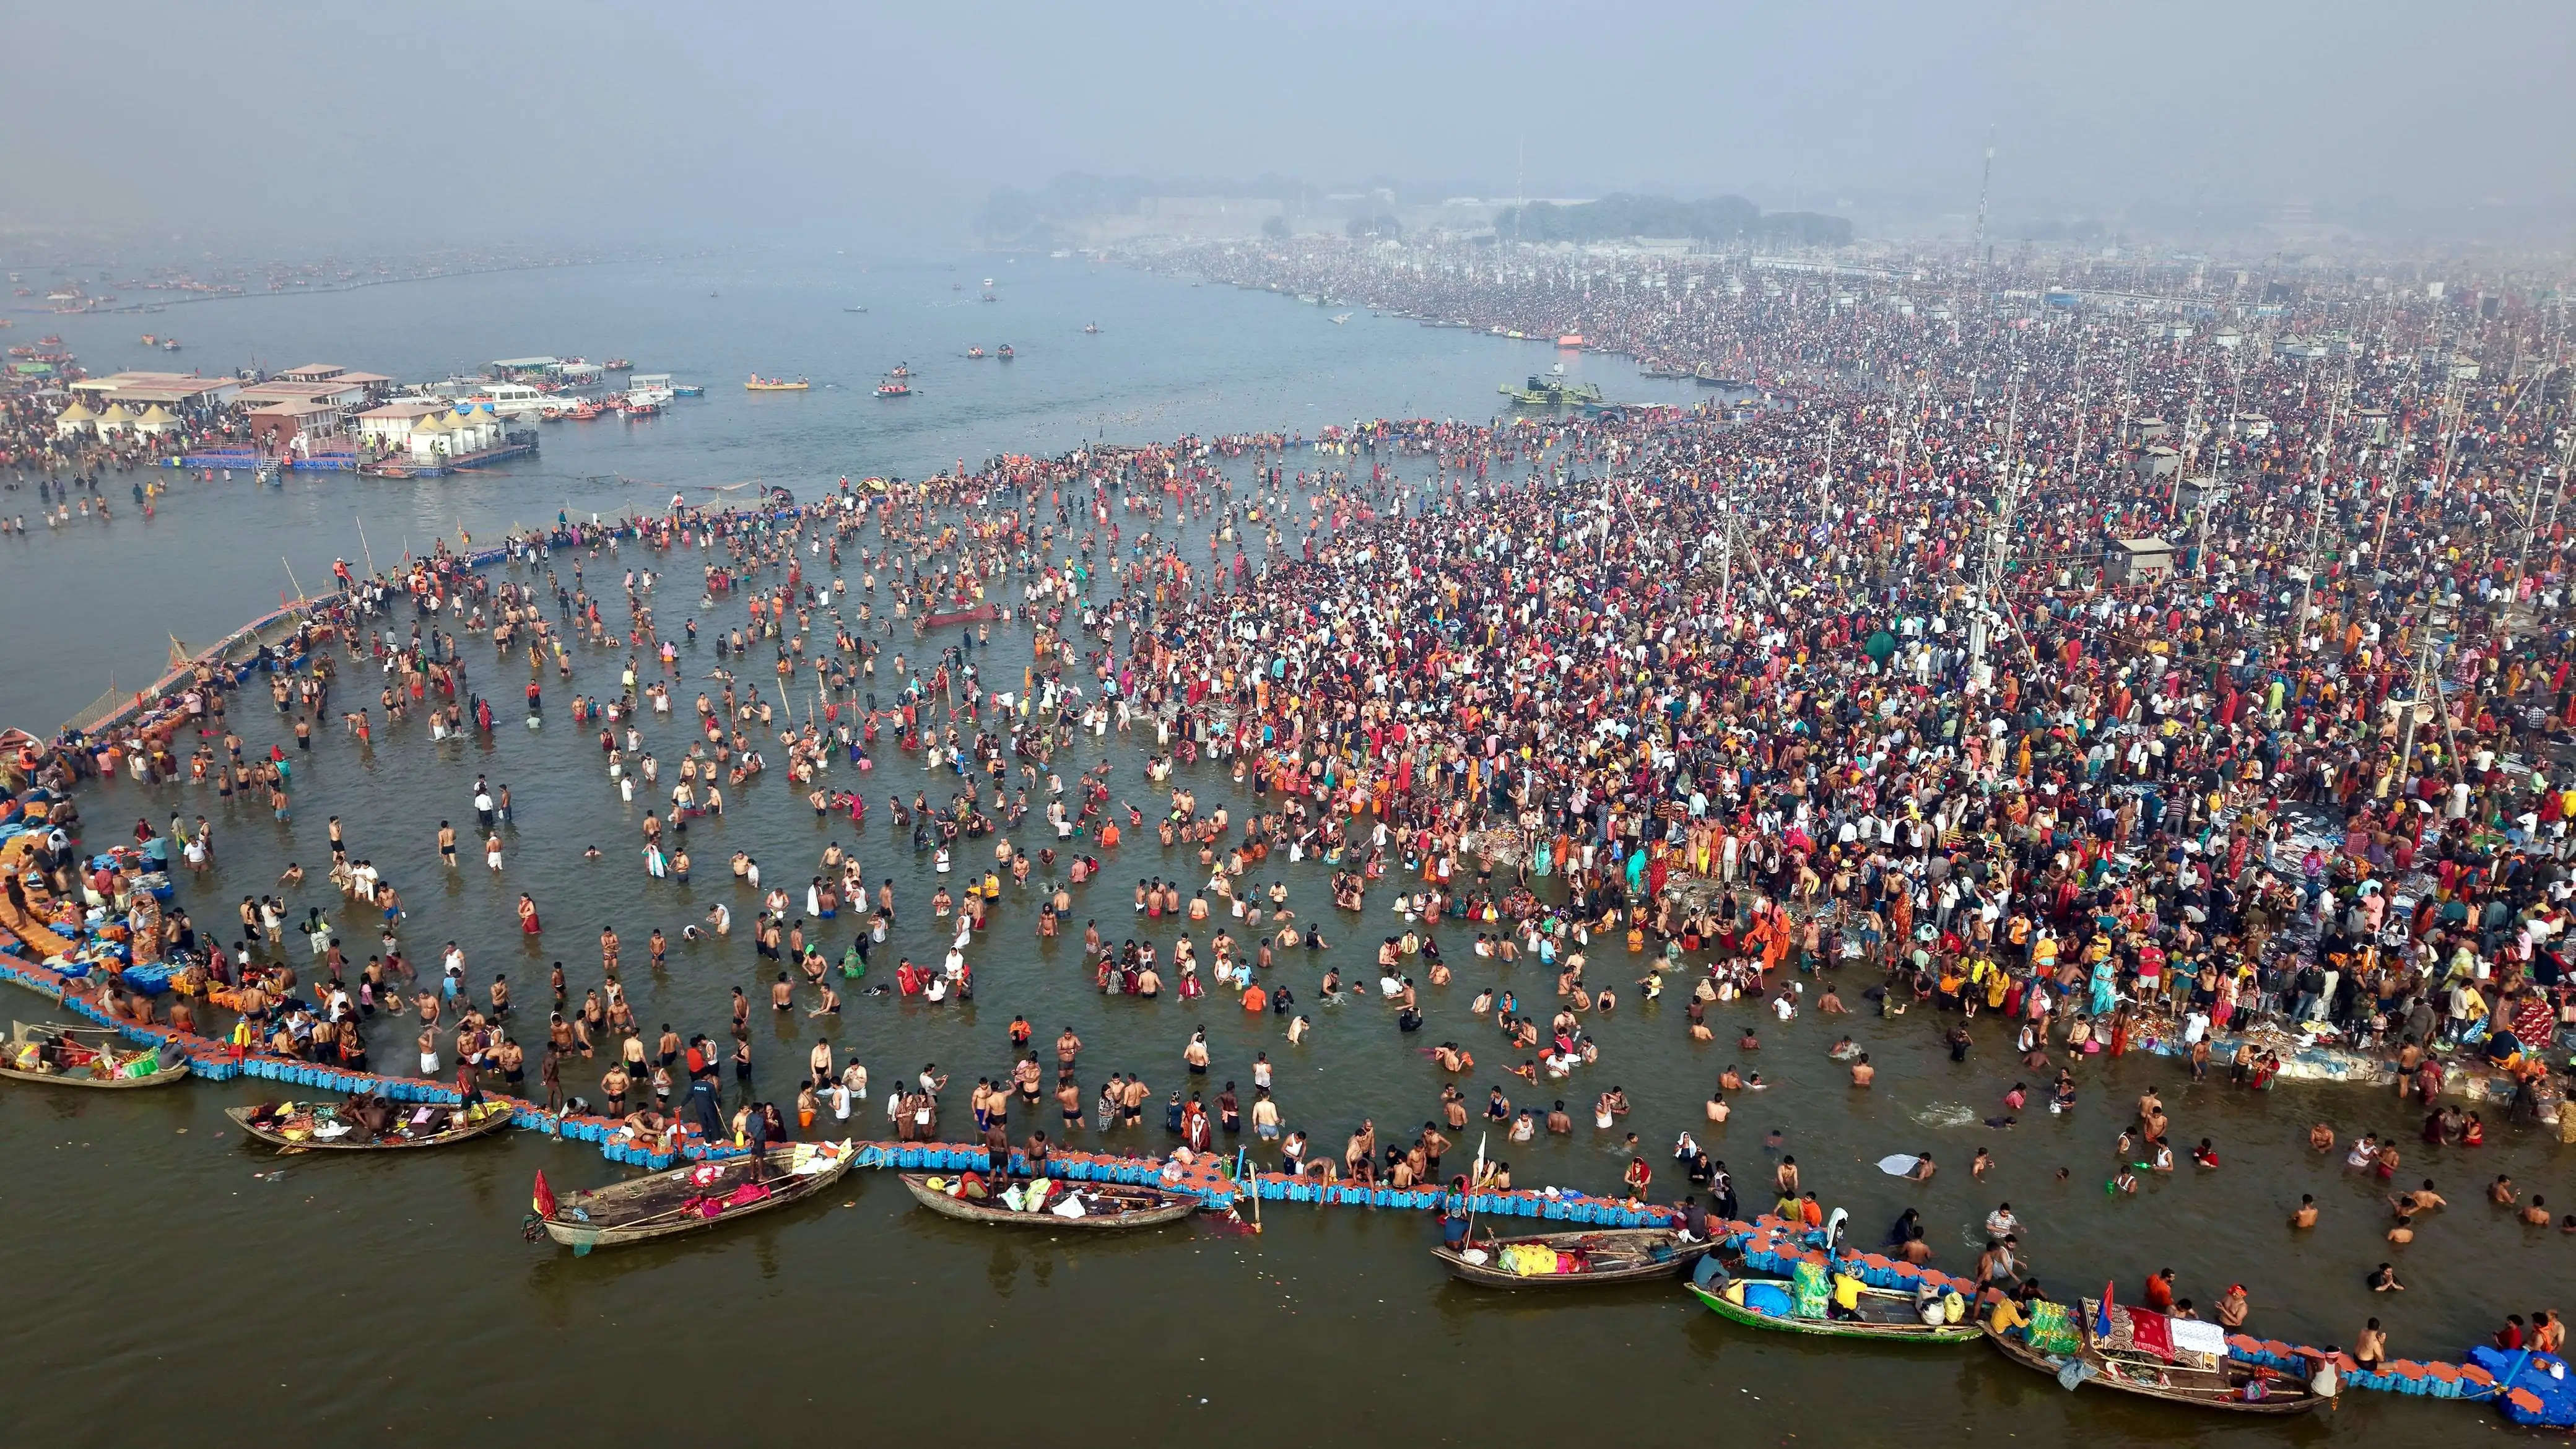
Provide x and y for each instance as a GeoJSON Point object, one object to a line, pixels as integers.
{"type": "Point", "coordinates": [467, 118]}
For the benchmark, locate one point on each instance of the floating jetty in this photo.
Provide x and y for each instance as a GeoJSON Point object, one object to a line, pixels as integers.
{"type": "Point", "coordinates": [2531, 1389]}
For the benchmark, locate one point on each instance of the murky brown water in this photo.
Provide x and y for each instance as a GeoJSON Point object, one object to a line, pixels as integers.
{"type": "Point", "coordinates": [162, 1276]}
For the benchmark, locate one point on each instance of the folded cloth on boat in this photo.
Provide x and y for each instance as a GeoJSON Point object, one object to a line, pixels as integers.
{"type": "Point", "coordinates": [2192, 1335]}
{"type": "Point", "coordinates": [2150, 1332]}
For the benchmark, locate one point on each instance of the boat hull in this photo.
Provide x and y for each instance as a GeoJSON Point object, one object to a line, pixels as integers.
{"type": "Point", "coordinates": [1914, 1333]}
{"type": "Point", "coordinates": [583, 1237]}
{"type": "Point", "coordinates": [2281, 1406]}
{"type": "Point", "coordinates": [494, 1117]}
{"type": "Point", "coordinates": [105, 1084]}
{"type": "Point", "coordinates": [1170, 1207]}
{"type": "Point", "coordinates": [1491, 1274]}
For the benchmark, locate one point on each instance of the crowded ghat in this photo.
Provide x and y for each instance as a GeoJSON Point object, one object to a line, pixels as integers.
{"type": "Point", "coordinates": [2073, 686]}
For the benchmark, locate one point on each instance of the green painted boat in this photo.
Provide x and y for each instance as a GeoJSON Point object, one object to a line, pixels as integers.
{"type": "Point", "coordinates": [1884, 1316]}
{"type": "Point", "coordinates": [1553, 392]}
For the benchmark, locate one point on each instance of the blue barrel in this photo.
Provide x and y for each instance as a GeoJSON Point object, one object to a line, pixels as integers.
{"type": "Point", "coordinates": [1553, 1209]}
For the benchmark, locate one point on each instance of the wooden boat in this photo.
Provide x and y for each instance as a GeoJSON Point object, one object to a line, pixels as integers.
{"type": "Point", "coordinates": [1604, 1255]}
{"type": "Point", "coordinates": [775, 384]}
{"type": "Point", "coordinates": [1759, 1301]}
{"type": "Point", "coordinates": [980, 614]}
{"type": "Point", "coordinates": [692, 1197]}
{"type": "Point", "coordinates": [1107, 1207]}
{"type": "Point", "coordinates": [2202, 1380]}
{"type": "Point", "coordinates": [297, 1124]}
{"type": "Point", "coordinates": [95, 1064]}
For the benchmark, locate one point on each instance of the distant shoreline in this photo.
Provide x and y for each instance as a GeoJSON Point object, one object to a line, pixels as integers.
{"type": "Point", "coordinates": [323, 291]}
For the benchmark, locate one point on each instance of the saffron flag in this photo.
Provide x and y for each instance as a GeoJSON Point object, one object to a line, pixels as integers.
{"type": "Point", "coordinates": [544, 1205]}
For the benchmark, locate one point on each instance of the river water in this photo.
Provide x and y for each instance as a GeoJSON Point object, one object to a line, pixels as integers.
{"type": "Point", "coordinates": [163, 1272]}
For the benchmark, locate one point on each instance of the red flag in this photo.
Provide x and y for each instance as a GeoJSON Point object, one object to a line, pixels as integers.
{"type": "Point", "coordinates": [544, 1205]}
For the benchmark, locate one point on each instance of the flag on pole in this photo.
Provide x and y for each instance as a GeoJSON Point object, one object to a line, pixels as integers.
{"type": "Point", "coordinates": [544, 1204]}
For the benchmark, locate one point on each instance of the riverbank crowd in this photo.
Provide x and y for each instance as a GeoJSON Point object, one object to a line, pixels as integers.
{"type": "Point", "coordinates": [2016, 677]}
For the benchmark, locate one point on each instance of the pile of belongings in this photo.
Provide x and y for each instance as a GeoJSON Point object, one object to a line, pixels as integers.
{"type": "Point", "coordinates": [1531, 1260]}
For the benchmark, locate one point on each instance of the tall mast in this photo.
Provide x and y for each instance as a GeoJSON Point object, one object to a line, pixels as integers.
{"type": "Point", "coordinates": [1977, 244]}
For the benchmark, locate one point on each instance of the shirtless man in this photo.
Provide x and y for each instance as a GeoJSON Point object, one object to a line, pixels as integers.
{"type": "Point", "coordinates": [1862, 1073]}
{"type": "Point", "coordinates": [2409, 1205]}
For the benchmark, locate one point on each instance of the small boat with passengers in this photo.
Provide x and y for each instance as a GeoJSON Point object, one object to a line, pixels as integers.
{"type": "Point", "coordinates": [2146, 1353]}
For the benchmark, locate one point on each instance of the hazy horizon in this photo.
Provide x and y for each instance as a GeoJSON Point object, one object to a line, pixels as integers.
{"type": "Point", "coordinates": [620, 123]}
